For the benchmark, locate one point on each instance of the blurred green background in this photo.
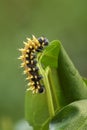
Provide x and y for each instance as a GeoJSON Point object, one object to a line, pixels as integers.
{"type": "Point", "coordinates": [65, 20]}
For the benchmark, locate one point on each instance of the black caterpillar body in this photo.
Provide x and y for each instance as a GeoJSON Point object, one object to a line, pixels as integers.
{"type": "Point", "coordinates": [28, 58]}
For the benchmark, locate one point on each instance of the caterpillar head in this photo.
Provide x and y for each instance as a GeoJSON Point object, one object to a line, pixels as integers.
{"type": "Point", "coordinates": [43, 41]}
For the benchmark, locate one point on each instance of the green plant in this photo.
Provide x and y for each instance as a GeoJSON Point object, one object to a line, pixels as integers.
{"type": "Point", "coordinates": [58, 107]}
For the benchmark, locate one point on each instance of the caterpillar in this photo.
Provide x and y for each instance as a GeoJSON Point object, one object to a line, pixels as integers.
{"type": "Point", "coordinates": [29, 62]}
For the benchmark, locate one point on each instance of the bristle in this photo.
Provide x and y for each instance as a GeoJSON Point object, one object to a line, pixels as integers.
{"type": "Point", "coordinates": [33, 91]}
{"type": "Point", "coordinates": [37, 82]}
{"type": "Point", "coordinates": [29, 77]}
{"type": "Point", "coordinates": [31, 57]}
{"type": "Point", "coordinates": [38, 87]}
{"type": "Point", "coordinates": [30, 83]}
{"type": "Point", "coordinates": [21, 57]}
{"type": "Point", "coordinates": [22, 50]}
{"type": "Point", "coordinates": [34, 38]}
{"type": "Point", "coordinates": [31, 88]}
{"type": "Point", "coordinates": [33, 44]}
{"type": "Point", "coordinates": [24, 43]}
{"type": "Point", "coordinates": [34, 69]}
{"type": "Point", "coordinates": [43, 44]}
{"type": "Point", "coordinates": [29, 40]}
{"type": "Point", "coordinates": [36, 90]}
{"type": "Point", "coordinates": [26, 55]}
{"type": "Point", "coordinates": [30, 47]}
{"type": "Point", "coordinates": [27, 50]}
{"type": "Point", "coordinates": [25, 71]}
{"type": "Point", "coordinates": [35, 77]}
{"type": "Point", "coordinates": [26, 61]}
{"type": "Point", "coordinates": [23, 64]}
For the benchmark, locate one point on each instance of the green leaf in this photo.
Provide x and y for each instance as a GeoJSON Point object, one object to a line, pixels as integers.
{"type": "Point", "coordinates": [55, 88]}
{"type": "Point", "coordinates": [36, 110]}
{"type": "Point", "coordinates": [71, 117]}
{"type": "Point", "coordinates": [63, 85]}
{"type": "Point", "coordinates": [85, 80]}
{"type": "Point", "coordinates": [72, 84]}
{"type": "Point", "coordinates": [49, 56]}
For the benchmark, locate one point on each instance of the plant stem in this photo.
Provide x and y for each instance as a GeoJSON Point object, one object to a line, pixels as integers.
{"type": "Point", "coordinates": [48, 90]}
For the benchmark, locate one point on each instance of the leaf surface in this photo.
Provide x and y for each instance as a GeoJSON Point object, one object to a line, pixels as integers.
{"type": "Point", "coordinates": [71, 117]}
{"type": "Point", "coordinates": [63, 85]}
